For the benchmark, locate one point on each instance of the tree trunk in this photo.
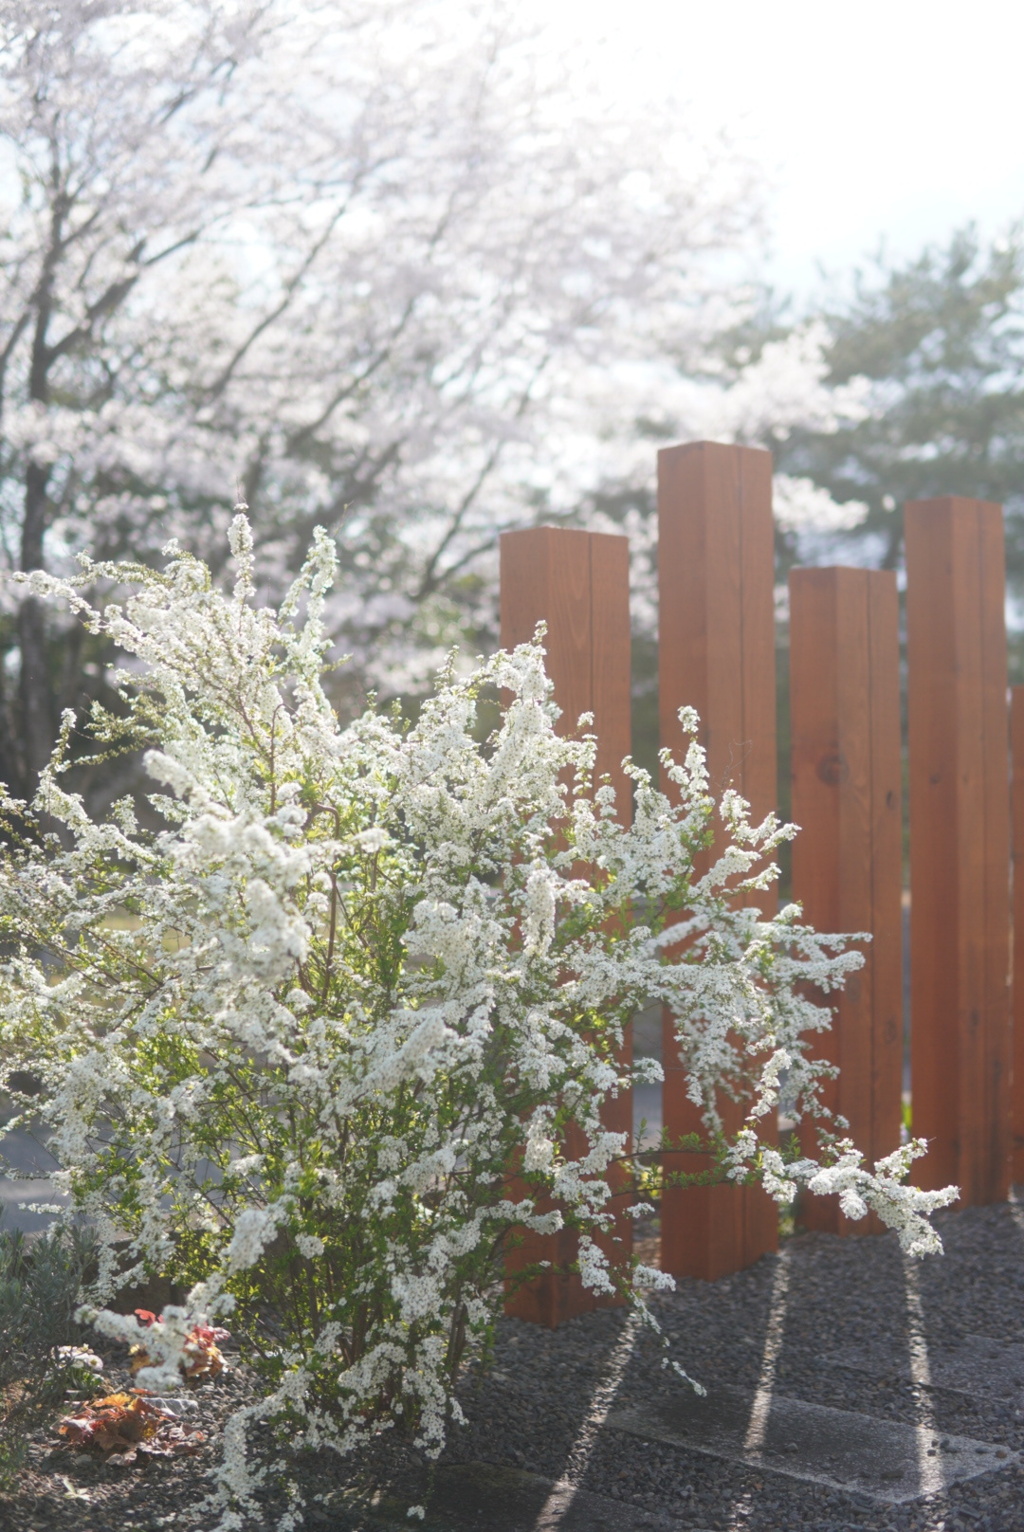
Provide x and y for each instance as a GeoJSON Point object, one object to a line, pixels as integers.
{"type": "Point", "coordinates": [37, 721]}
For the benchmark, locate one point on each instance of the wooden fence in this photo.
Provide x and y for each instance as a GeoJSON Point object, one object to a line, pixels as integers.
{"type": "Point", "coordinates": [965, 749]}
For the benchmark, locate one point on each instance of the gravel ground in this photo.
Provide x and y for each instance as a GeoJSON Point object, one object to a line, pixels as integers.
{"type": "Point", "coordinates": [530, 1410]}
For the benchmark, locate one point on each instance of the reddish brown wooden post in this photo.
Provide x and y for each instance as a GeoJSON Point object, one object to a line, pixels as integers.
{"type": "Point", "coordinates": [717, 654]}
{"type": "Point", "coordinates": [1017, 1110]}
{"type": "Point", "coordinates": [959, 844]}
{"type": "Point", "coordinates": [578, 583]}
{"type": "Point", "coordinates": [847, 860]}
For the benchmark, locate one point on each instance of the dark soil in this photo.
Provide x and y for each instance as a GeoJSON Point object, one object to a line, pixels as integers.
{"type": "Point", "coordinates": [529, 1410]}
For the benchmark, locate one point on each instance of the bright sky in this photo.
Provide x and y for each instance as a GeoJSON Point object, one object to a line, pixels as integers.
{"type": "Point", "coordinates": [891, 119]}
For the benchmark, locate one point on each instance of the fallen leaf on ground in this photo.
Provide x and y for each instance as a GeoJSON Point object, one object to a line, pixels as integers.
{"type": "Point", "coordinates": [121, 1426]}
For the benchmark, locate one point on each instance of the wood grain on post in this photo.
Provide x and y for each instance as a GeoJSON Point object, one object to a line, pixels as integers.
{"type": "Point", "coordinates": [1017, 1107]}
{"type": "Point", "coordinates": [578, 583]}
{"type": "Point", "coordinates": [847, 859]}
{"type": "Point", "coordinates": [959, 844]}
{"type": "Point", "coordinates": [716, 654]}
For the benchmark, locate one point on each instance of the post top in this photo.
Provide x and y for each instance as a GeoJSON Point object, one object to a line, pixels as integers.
{"type": "Point", "coordinates": [564, 534]}
{"type": "Point", "coordinates": [956, 505]}
{"type": "Point", "coordinates": [831, 573]}
{"type": "Point", "coordinates": [681, 449]}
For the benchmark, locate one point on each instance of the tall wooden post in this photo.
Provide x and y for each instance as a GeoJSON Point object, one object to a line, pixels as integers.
{"type": "Point", "coordinates": [847, 859]}
{"type": "Point", "coordinates": [578, 583]}
{"type": "Point", "coordinates": [959, 844]}
{"type": "Point", "coordinates": [717, 654]}
{"type": "Point", "coordinates": [1017, 1107]}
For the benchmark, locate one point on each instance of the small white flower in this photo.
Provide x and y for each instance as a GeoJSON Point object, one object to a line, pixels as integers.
{"type": "Point", "coordinates": [372, 840]}
{"type": "Point", "coordinates": [254, 1229]}
{"type": "Point", "coordinates": [79, 1356]}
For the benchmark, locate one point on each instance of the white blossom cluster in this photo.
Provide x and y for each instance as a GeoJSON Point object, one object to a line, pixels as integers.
{"type": "Point", "coordinates": [314, 1020]}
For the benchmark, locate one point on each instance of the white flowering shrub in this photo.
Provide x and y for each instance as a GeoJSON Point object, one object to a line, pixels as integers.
{"type": "Point", "coordinates": [301, 1016]}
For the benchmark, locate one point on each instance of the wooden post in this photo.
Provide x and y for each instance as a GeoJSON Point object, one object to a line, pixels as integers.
{"type": "Point", "coordinates": [578, 583]}
{"type": "Point", "coordinates": [959, 844]}
{"type": "Point", "coordinates": [717, 654]}
{"type": "Point", "coordinates": [1017, 1109]}
{"type": "Point", "coordinates": [847, 859]}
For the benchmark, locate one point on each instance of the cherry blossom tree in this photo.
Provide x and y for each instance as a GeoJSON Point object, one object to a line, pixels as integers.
{"type": "Point", "coordinates": [391, 266]}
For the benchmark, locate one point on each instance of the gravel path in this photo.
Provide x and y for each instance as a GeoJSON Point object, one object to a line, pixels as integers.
{"type": "Point", "coordinates": [842, 1294]}
{"type": "Point", "coordinates": [539, 1409]}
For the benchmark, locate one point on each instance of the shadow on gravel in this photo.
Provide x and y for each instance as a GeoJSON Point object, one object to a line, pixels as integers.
{"type": "Point", "coordinates": [581, 1430]}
